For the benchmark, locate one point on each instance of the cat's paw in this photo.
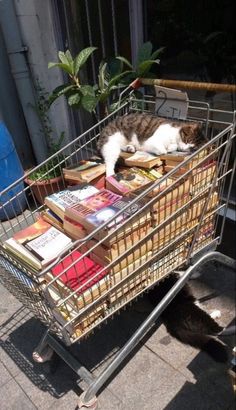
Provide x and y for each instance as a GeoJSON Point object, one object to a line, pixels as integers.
{"type": "Point", "coordinates": [172, 148]}
{"type": "Point", "coordinates": [216, 314]}
{"type": "Point", "coordinates": [186, 147]}
{"type": "Point", "coordinates": [130, 148]}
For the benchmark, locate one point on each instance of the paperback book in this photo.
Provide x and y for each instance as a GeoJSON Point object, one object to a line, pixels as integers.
{"type": "Point", "coordinates": [59, 201]}
{"type": "Point", "coordinates": [85, 170]}
{"type": "Point", "coordinates": [91, 204]}
{"type": "Point", "coordinates": [143, 159]}
{"type": "Point", "coordinates": [115, 226]}
{"type": "Point", "coordinates": [40, 251]}
{"type": "Point", "coordinates": [77, 272]}
{"type": "Point", "coordinates": [127, 181]}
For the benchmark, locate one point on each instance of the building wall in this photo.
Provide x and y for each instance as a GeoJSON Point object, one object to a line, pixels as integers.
{"type": "Point", "coordinates": [38, 34]}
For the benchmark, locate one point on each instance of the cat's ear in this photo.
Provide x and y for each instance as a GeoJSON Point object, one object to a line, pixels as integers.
{"type": "Point", "coordinates": [187, 132]}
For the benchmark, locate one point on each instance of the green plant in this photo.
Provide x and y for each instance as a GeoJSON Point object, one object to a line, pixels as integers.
{"type": "Point", "coordinates": [111, 76]}
{"type": "Point", "coordinates": [51, 169]}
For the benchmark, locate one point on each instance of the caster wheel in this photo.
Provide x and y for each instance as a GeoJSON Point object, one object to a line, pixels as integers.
{"type": "Point", "coordinates": [90, 405]}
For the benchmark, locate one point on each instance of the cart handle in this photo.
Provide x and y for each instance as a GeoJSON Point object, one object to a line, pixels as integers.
{"type": "Point", "coordinates": [192, 85]}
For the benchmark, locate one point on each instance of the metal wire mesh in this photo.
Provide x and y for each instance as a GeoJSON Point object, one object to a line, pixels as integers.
{"type": "Point", "coordinates": [176, 217]}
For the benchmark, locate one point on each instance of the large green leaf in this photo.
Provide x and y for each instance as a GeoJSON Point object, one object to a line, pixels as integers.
{"type": "Point", "coordinates": [82, 57]}
{"type": "Point", "coordinates": [156, 53]}
{"type": "Point", "coordinates": [114, 66]}
{"type": "Point", "coordinates": [144, 53]}
{"type": "Point", "coordinates": [63, 89]}
{"type": "Point", "coordinates": [89, 102]}
{"type": "Point", "coordinates": [145, 66]}
{"type": "Point", "coordinates": [64, 67]}
{"type": "Point", "coordinates": [74, 99]}
{"type": "Point", "coordinates": [124, 60]}
{"type": "Point", "coordinates": [102, 75]}
{"type": "Point", "coordinates": [69, 57]}
{"type": "Point", "coordinates": [62, 57]}
{"type": "Point", "coordinates": [89, 99]}
{"type": "Point", "coordinates": [115, 80]}
{"type": "Point", "coordinates": [87, 90]}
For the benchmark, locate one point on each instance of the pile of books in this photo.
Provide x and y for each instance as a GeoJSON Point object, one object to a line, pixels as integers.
{"type": "Point", "coordinates": [123, 233]}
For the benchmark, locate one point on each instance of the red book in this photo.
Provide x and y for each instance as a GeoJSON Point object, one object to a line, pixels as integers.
{"type": "Point", "coordinates": [79, 273]}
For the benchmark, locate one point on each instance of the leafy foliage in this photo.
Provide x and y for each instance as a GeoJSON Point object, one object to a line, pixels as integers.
{"type": "Point", "coordinates": [111, 76]}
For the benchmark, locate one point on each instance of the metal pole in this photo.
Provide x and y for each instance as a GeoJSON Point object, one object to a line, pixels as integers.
{"type": "Point", "coordinates": [146, 325]}
{"type": "Point", "coordinates": [21, 75]}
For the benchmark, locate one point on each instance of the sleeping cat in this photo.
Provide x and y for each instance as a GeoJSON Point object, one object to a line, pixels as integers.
{"type": "Point", "coordinates": [187, 322]}
{"type": "Point", "coordinates": [146, 132]}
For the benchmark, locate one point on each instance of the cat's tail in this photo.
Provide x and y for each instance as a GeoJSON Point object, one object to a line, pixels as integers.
{"type": "Point", "coordinates": [209, 344]}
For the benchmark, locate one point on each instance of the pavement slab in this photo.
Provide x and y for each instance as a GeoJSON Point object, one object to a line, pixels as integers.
{"type": "Point", "coordinates": [161, 373]}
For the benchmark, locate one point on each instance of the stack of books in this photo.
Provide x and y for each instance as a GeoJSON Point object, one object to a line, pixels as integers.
{"type": "Point", "coordinates": [89, 171]}
{"type": "Point", "coordinates": [37, 245]}
{"type": "Point", "coordinates": [123, 232]}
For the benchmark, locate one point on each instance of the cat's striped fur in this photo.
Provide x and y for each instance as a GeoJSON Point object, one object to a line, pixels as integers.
{"type": "Point", "coordinates": [146, 132]}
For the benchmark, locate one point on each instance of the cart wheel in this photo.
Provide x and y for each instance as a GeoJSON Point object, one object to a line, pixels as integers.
{"type": "Point", "coordinates": [91, 404]}
{"type": "Point", "coordinates": [43, 356]}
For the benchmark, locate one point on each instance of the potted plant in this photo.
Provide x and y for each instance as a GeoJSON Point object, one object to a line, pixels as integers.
{"type": "Point", "coordinates": [47, 177]}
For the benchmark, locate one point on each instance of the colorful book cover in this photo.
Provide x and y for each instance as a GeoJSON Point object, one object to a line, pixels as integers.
{"type": "Point", "coordinates": [77, 275]}
{"type": "Point", "coordinates": [68, 197]}
{"type": "Point", "coordinates": [33, 231]}
{"type": "Point", "coordinates": [128, 180]}
{"type": "Point", "coordinates": [48, 245]}
{"type": "Point", "coordinates": [107, 213]}
{"type": "Point", "coordinates": [93, 203]}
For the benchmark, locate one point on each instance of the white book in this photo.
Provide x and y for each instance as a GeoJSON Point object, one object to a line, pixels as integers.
{"type": "Point", "coordinates": [49, 245]}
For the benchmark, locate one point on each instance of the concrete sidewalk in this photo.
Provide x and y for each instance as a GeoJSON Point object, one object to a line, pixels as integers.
{"type": "Point", "coordinates": [161, 374]}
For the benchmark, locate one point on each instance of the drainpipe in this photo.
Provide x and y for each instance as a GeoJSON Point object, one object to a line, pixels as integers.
{"type": "Point", "coordinates": [136, 26]}
{"type": "Point", "coordinates": [21, 75]}
{"type": "Point", "coordinates": [12, 114]}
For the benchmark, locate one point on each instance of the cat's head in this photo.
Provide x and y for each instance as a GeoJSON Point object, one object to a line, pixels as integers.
{"type": "Point", "coordinates": [192, 133]}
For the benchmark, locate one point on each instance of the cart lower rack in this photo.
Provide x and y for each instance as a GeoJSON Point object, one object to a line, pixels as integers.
{"type": "Point", "coordinates": [174, 223]}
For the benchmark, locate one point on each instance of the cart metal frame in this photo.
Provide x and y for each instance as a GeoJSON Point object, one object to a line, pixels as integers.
{"type": "Point", "coordinates": [26, 284]}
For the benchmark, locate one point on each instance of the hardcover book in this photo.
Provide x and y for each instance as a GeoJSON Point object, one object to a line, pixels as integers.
{"type": "Point", "coordinates": [91, 204]}
{"type": "Point", "coordinates": [59, 201]}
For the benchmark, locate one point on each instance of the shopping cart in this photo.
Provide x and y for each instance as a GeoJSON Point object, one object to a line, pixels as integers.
{"type": "Point", "coordinates": [177, 226]}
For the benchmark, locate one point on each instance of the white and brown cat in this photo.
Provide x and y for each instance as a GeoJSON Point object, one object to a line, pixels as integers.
{"type": "Point", "coordinates": [149, 133]}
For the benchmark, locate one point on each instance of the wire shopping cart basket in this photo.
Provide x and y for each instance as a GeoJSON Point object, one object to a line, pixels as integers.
{"type": "Point", "coordinates": [173, 224]}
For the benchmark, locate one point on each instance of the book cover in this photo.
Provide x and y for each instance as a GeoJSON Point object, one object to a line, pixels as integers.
{"type": "Point", "coordinates": [41, 250]}
{"type": "Point", "coordinates": [32, 231]}
{"type": "Point", "coordinates": [83, 165]}
{"type": "Point", "coordinates": [59, 201]}
{"type": "Point", "coordinates": [53, 219]}
{"type": "Point", "coordinates": [73, 228]}
{"type": "Point", "coordinates": [105, 214]}
{"type": "Point", "coordinates": [91, 204]}
{"type": "Point", "coordinates": [85, 170]}
{"type": "Point", "coordinates": [82, 271]}
{"type": "Point", "coordinates": [126, 181]}
{"type": "Point", "coordinates": [48, 246]}
{"type": "Point", "coordinates": [143, 159]}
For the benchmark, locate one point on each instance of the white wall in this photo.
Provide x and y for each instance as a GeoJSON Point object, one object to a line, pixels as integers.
{"type": "Point", "coordinates": [38, 35]}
